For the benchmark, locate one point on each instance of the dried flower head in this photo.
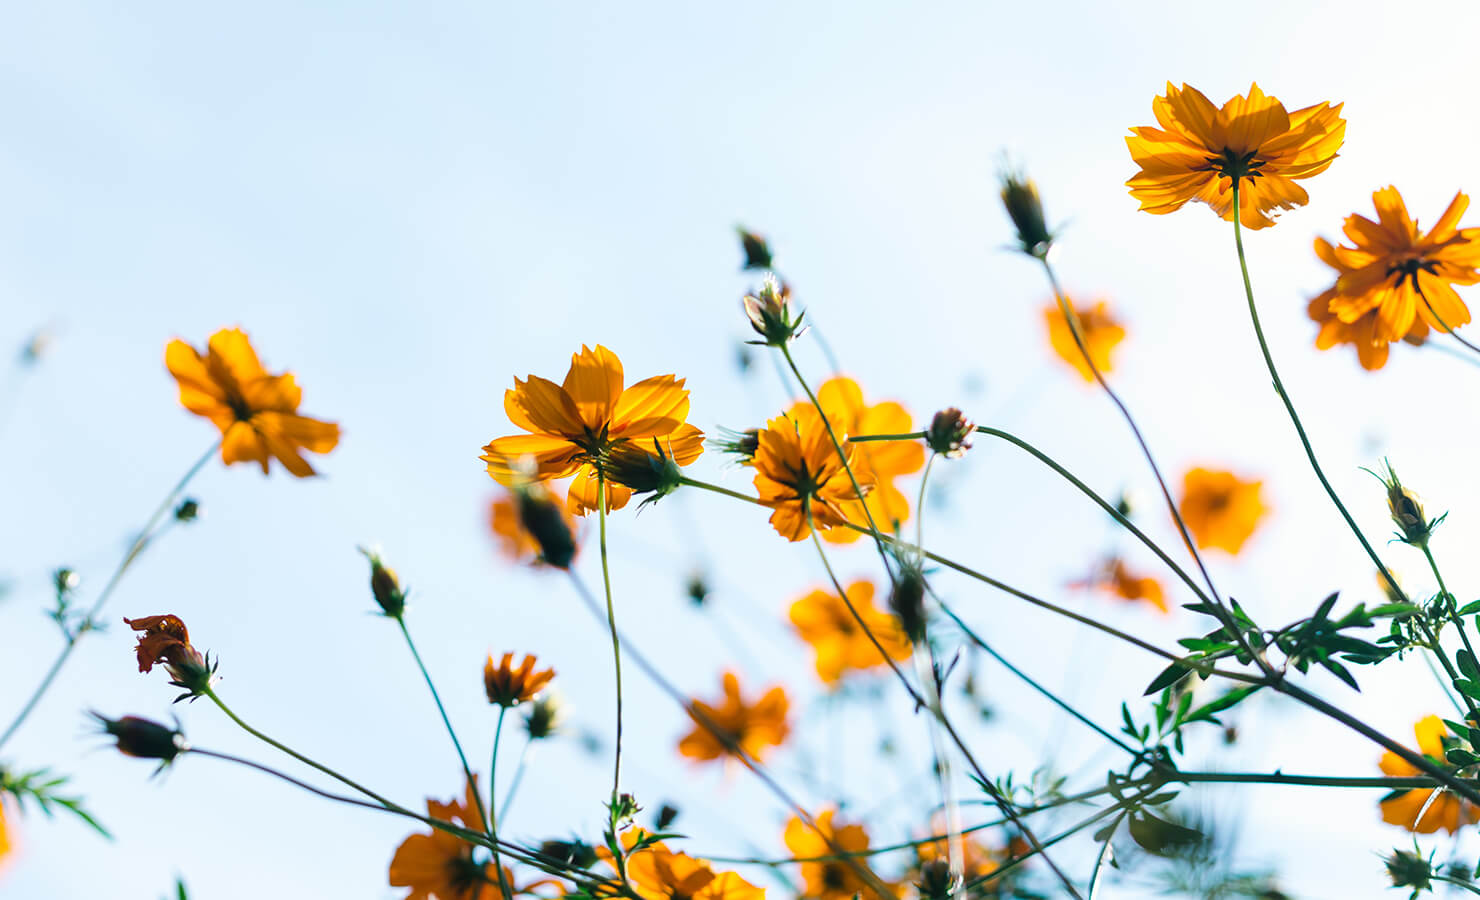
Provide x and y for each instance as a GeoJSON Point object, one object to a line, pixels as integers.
{"type": "Point", "coordinates": [1200, 151]}
{"type": "Point", "coordinates": [1020, 199]}
{"type": "Point", "coordinates": [165, 640]}
{"type": "Point", "coordinates": [949, 433]}
{"type": "Point", "coordinates": [770, 314]}
{"type": "Point", "coordinates": [507, 686]}
{"type": "Point", "coordinates": [256, 412]}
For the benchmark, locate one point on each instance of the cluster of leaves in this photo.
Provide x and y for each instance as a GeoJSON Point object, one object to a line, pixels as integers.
{"type": "Point", "coordinates": [42, 788]}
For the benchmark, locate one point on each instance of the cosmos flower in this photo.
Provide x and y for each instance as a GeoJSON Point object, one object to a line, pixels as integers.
{"type": "Point", "coordinates": [256, 412]}
{"type": "Point", "coordinates": [1113, 576]}
{"type": "Point", "coordinates": [441, 866]}
{"type": "Point", "coordinates": [841, 646]}
{"type": "Point", "coordinates": [831, 879]}
{"type": "Point", "coordinates": [799, 475]}
{"type": "Point", "coordinates": [1220, 509]}
{"type": "Point", "coordinates": [1446, 811]}
{"type": "Point", "coordinates": [753, 727]}
{"type": "Point", "coordinates": [1200, 149]}
{"type": "Point", "coordinates": [658, 873]}
{"type": "Point", "coordinates": [1101, 331]}
{"type": "Point", "coordinates": [507, 686]}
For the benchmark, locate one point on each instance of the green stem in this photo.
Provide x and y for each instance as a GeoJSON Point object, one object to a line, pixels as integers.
{"type": "Point", "coordinates": [1279, 387]}
{"type": "Point", "coordinates": [1449, 602]}
{"type": "Point", "coordinates": [518, 779]}
{"type": "Point", "coordinates": [498, 731]}
{"type": "Point", "coordinates": [211, 693]}
{"type": "Point", "coordinates": [89, 621]}
{"type": "Point", "coordinates": [442, 710]}
{"type": "Point", "coordinates": [1103, 855]}
{"type": "Point", "coordinates": [611, 622]}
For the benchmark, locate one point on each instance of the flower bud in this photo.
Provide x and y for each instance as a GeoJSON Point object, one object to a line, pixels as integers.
{"type": "Point", "coordinates": [936, 881]}
{"type": "Point", "coordinates": [569, 853]}
{"type": "Point", "coordinates": [907, 599]}
{"type": "Point", "coordinates": [1410, 870]}
{"type": "Point", "coordinates": [547, 523]}
{"type": "Point", "coordinates": [757, 251]}
{"type": "Point", "coordinates": [1406, 510]}
{"type": "Point", "coordinates": [949, 433]}
{"type": "Point", "coordinates": [769, 311]}
{"type": "Point", "coordinates": [188, 510]}
{"type": "Point", "coordinates": [1020, 197]}
{"type": "Point", "coordinates": [385, 586]}
{"type": "Point", "coordinates": [143, 738]}
{"type": "Point", "coordinates": [544, 718]}
{"type": "Point", "coordinates": [739, 444]}
{"type": "Point", "coordinates": [644, 472]}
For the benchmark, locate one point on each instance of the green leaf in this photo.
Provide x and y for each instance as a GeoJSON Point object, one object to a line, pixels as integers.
{"type": "Point", "coordinates": [1467, 666]}
{"type": "Point", "coordinates": [1168, 677]}
{"type": "Point", "coordinates": [1160, 837]}
{"type": "Point", "coordinates": [1472, 607]}
{"type": "Point", "coordinates": [1459, 757]}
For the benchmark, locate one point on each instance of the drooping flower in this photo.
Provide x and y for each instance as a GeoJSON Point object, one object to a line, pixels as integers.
{"type": "Point", "coordinates": [1199, 150]}
{"type": "Point", "coordinates": [876, 462]}
{"type": "Point", "coordinates": [835, 879]}
{"type": "Point", "coordinates": [524, 520]}
{"type": "Point", "coordinates": [753, 727]}
{"type": "Point", "coordinates": [1393, 275]}
{"type": "Point", "coordinates": [1113, 576]}
{"type": "Point", "coordinates": [574, 426]}
{"type": "Point", "coordinates": [507, 686]}
{"type": "Point", "coordinates": [797, 473]}
{"type": "Point", "coordinates": [1220, 509]}
{"type": "Point", "coordinates": [658, 873]}
{"type": "Point", "coordinates": [256, 412]}
{"type": "Point", "coordinates": [1101, 331]}
{"type": "Point", "coordinates": [441, 866]}
{"type": "Point", "coordinates": [1446, 811]}
{"type": "Point", "coordinates": [165, 640]}
{"type": "Point", "coordinates": [823, 620]}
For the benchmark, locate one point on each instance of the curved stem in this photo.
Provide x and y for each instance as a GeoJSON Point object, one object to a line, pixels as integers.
{"type": "Point", "coordinates": [1279, 388]}
{"type": "Point", "coordinates": [611, 622]}
{"type": "Point", "coordinates": [442, 710]}
{"type": "Point", "coordinates": [518, 779]}
{"type": "Point", "coordinates": [90, 619]}
{"type": "Point", "coordinates": [498, 865]}
{"type": "Point", "coordinates": [1449, 603]}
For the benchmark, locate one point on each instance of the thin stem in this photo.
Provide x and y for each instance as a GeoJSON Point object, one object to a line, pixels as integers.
{"type": "Point", "coordinates": [1449, 602]}
{"type": "Point", "coordinates": [1445, 325]}
{"type": "Point", "coordinates": [89, 621]}
{"type": "Point", "coordinates": [1104, 854]}
{"type": "Point", "coordinates": [211, 693]}
{"type": "Point", "coordinates": [518, 779]}
{"type": "Point", "coordinates": [320, 792]}
{"type": "Point", "coordinates": [442, 710]}
{"type": "Point", "coordinates": [1279, 388]}
{"type": "Point", "coordinates": [611, 622]}
{"type": "Point", "coordinates": [1437, 649]}
{"type": "Point", "coordinates": [498, 732]}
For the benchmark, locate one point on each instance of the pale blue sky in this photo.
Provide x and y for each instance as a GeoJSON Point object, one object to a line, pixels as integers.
{"type": "Point", "coordinates": [407, 206]}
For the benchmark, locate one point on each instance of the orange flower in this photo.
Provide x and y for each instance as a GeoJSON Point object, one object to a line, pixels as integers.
{"type": "Point", "coordinates": [508, 686]}
{"type": "Point", "coordinates": [658, 873]}
{"type": "Point", "coordinates": [823, 620]}
{"type": "Point", "coordinates": [440, 866]}
{"type": "Point", "coordinates": [1371, 353]}
{"type": "Point", "coordinates": [256, 412]}
{"type": "Point", "coordinates": [575, 425]}
{"type": "Point", "coordinates": [1200, 149]}
{"type": "Point", "coordinates": [797, 472]}
{"type": "Point", "coordinates": [751, 727]}
{"type": "Point", "coordinates": [515, 541]}
{"type": "Point", "coordinates": [879, 462]}
{"type": "Point", "coordinates": [1114, 577]}
{"type": "Point", "coordinates": [1101, 332]}
{"type": "Point", "coordinates": [6, 847]}
{"type": "Point", "coordinates": [834, 879]}
{"type": "Point", "coordinates": [1403, 807]}
{"type": "Point", "coordinates": [1220, 509]}
{"type": "Point", "coordinates": [977, 860]}
{"type": "Point", "coordinates": [1397, 275]}
{"type": "Point", "coordinates": [166, 640]}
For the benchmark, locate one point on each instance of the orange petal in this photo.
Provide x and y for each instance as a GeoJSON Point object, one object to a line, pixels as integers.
{"type": "Point", "coordinates": [594, 382]}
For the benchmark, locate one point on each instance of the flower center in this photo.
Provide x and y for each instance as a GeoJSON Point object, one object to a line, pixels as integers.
{"type": "Point", "coordinates": [1231, 164]}
{"type": "Point", "coordinates": [1408, 269]}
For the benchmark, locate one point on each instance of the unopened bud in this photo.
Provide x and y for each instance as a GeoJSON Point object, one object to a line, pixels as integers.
{"type": "Point", "coordinates": [1407, 512]}
{"type": "Point", "coordinates": [188, 510]}
{"type": "Point", "coordinates": [143, 738]}
{"type": "Point", "coordinates": [769, 311]}
{"type": "Point", "coordinates": [936, 881]}
{"type": "Point", "coordinates": [757, 251]}
{"type": "Point", "coordinates": [385, 586]}
{"type": "Point", "coordinates": [544, 717]}
{"type": "Point", "coordinates": [545, 521]}
{"type": "Point", "coordinates": [645, 471]}
{"type": "Point", "coordinates": [1020, 198]}
{"type": "Point", "coordinates": [949, 433]}
{"type": "Point", "coordinates": [907, 600]}
{"type": "Point", "coordinates": [739, 444]}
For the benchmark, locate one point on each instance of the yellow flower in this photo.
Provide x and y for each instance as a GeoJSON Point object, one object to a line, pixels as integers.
{"type": "Point", "coordinates": [508, 686]}
{"type": "Point", "coordinates": [256, 412]}
{"type": "Point", "coordinates": [978, 860]}
{"type": "Point", "coordinates": [440, 866]}
{"type": "Point", "coordinates": [6, 847]}
{"type": "Point", "coordinates": [505, 518]}
{"type": "Point", "coordinates": [1113, 576]}
{"type": "Point", "coordinates": [1101, 332]}
{"type": "Point", "coordinates": [1200, 149]}
{"type": "Point", "coordinates": [879, 462]}
{"type": "Point", "coordinates": [575, 425]}
{"type": "Point", "coordinates": [1371, 353]}
{"type": "Point", "coordinates": [658, 873]}
{"type": "Point", "coordinates": [797, 471]}
{"type": "Point", "coordinates": [1397, 274]}
{"type": "Point", "coordinates": [1220, 509]}
{"type": "Point", "coordinates": [823, 620]}
{"type": "Point", "coordinates": [753, 727]}
{"type": "Point", "coordinates": [1402, 807]}
{"type": "Point", "coordinates": [833, 879]}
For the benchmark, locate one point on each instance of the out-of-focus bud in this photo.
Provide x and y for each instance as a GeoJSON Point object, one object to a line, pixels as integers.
{"type": "Point", "coordinates": [907, 598]}
{"type": "Point", "coordinates": [188, 510]}
{"type": "Point", "coordinates": [739, 444]}
{"type": "Point", "coordinates": [385, 586]}
{"type": "Point", "coordinates": [757, 251]}
{"type": "Point", "coordinates": [165, 640]}
{"type": "Point", "coordinates": [949, 433]}
{"type": "Point", "coordinates": [697, 588]}
{"type": "Point", "coordinates": [1406, 510]}
{"type": "Point", "coordinates": [144, 738]}
{"type": "Point", "coordinates": [667, 815]}
{"type": "Point", "coordinates": [65, 581]}
{"type": "Point", "coordinates": [770, 314]}
{"type": "Point", "coordinates": [644, 471]}
{"type": "Point", "coordinates": [571, 853]}
{"type": "Point", "coordinates": [546, 521]}
{"type": "Point", "coordinates": [1410, 870]}
{"type": "Point", "coordinates": [36, 347]}
{"type": "Point", "coordinates": [1020, 197]}
{"type": "Point", "coordinates": [936, 881]}
{"type": "Point", "coordinates": [544, 717]}
{"type": "Point", "coordinates": [623, 808]}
